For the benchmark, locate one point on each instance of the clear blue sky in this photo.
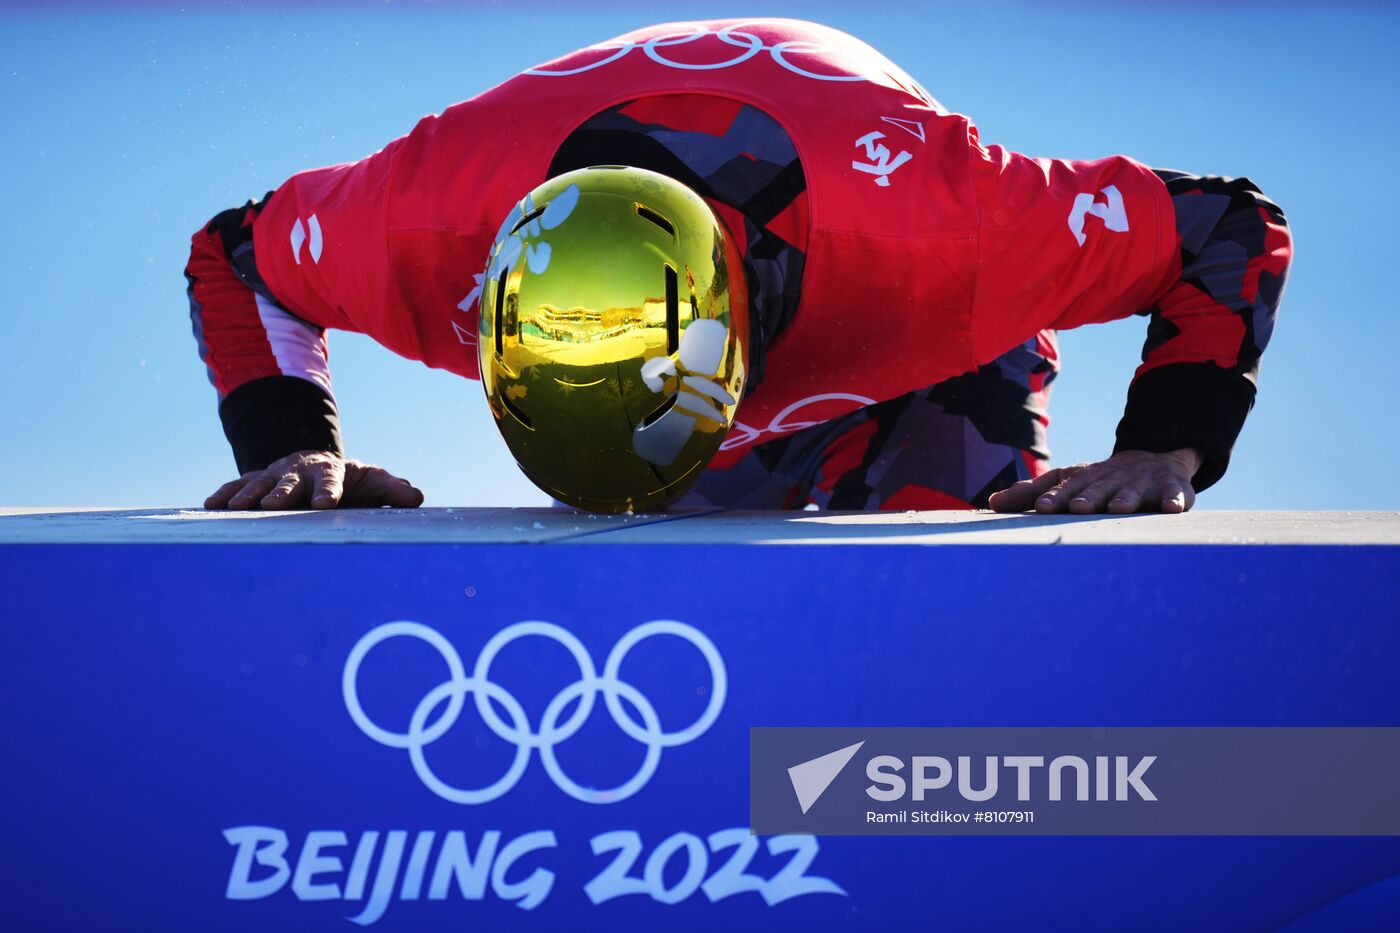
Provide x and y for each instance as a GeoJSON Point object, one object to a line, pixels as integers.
{"type": "Point", "coordinates": [126, 127]}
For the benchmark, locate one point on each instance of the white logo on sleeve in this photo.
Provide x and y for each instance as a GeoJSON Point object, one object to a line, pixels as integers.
{"type": "Point", "coordinates": [913, 127]}
{"type": "Point", "coordinates": [881, 162]}
{"type": "Point", "coordinates": [1112, 214]}
{"type": "Point", "coordinates": [821, 408]}
{"type": "Point", "coordinates": [466, 335]}
{"type": "Point", "coordinates": [473, 296]}
{"type": "Point", "coordinates": [300, 235]}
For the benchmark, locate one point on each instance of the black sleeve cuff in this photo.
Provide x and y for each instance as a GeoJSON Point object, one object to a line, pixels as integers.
{"type": "Point", "coordinates": [266, 419]}
{"type": "Point", "coordinates": [1179, 405]}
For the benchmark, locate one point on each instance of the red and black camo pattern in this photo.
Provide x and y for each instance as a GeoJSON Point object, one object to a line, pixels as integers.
{"type": "Point", "coordinates": [951, 445]}
{"type": "Point", "coordinates": [742, 162]}
{"type": "Point", "coordinates": [946, 446]}
{"type": "Point", "coordinates": [1235, 253]}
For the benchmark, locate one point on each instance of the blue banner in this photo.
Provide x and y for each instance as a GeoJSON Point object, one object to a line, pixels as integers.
{"type": "Point", "coordinates": [226, 737]}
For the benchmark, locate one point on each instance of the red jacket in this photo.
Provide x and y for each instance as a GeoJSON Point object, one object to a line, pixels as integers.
{"type": "Point", "coordinates": [927, 252]}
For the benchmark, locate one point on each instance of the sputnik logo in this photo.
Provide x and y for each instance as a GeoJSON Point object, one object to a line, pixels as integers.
{"type": "Point", "coordinates": [810, 779]}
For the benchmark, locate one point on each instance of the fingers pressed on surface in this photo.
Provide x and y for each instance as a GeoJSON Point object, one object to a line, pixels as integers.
{"type": "Point", "coordinates": [402, 494]}
{"type": "Point", "coordinates": [1176, 498]}
{"type": "Point", "coordinates": [1058, 498]}
{"type": "Point", "coordinates": [1128, 499]}
{"type": "Point", "coordinates": [1006, 500]}
{"type": "Point", "coordinates": [328, 484]}
{"type": "Point", "coordinates": [252, 492]}
{"type": "Point", "coordinates": [287, 494]}
{"type": "Point", "coordinates": [1093, 498]}
{"type": "Point", "coordinates": [218, 499]}
{"type": "Point", "coordinates": [1019, 496]}
{"type": "Point", "coordinates": [371, 487]}
{"type": "Point", "coordinates": [1010, 499]}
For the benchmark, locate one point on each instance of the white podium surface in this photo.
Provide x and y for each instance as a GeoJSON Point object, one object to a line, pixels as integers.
{"type": "Point", "coordinates": [546, 526]}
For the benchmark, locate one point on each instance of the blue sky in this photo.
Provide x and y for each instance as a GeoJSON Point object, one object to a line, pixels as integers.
{"type": "Point", "coordinates": [127, 127]}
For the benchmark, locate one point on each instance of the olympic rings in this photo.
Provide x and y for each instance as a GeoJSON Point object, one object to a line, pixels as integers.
{"type": "Point", "coordinates": [422, 733]}
{"type": "Point", "coordinates": [732, 35]}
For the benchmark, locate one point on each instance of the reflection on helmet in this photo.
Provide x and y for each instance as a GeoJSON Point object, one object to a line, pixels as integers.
{"type": "Point", "coordinates": [613, 337]}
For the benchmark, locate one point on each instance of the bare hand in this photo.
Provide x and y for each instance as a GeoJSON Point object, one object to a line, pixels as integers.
{"type": "Point", "coordinates": [1128, 481]}
{"type": "Point", "coordinates": [324, 480]}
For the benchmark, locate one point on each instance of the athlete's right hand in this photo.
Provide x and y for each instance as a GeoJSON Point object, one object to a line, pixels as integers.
{"type": "Point", "coordinates": [315, 479]}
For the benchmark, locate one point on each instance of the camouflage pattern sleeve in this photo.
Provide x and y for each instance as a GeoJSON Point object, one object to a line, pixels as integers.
{"type": "Point", "coordinates": [1200, 363]}
{"type": "Point", "coordinates": [268, 366]}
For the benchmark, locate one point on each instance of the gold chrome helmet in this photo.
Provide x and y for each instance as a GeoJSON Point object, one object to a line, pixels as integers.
{"type": "Point", "coordinates": [613, 337]}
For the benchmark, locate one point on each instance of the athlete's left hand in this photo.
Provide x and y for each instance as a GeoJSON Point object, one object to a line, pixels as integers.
{"type": "Point", "coordinates": [1128, 481]}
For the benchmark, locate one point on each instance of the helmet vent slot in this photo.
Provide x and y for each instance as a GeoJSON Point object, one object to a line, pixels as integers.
{"type": "Point", "coordinates": [673, 311]}
{"type": "Point", "coordinates": [501, 311]}
{"type": "Point", "coordinates": [665, 406]}
{"type": "Point", "coordinates": [647, 213]}
{"type": "Point", "coordinates": [527, 218]}
{"type": "Point", "coordinates": [519, 415]}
